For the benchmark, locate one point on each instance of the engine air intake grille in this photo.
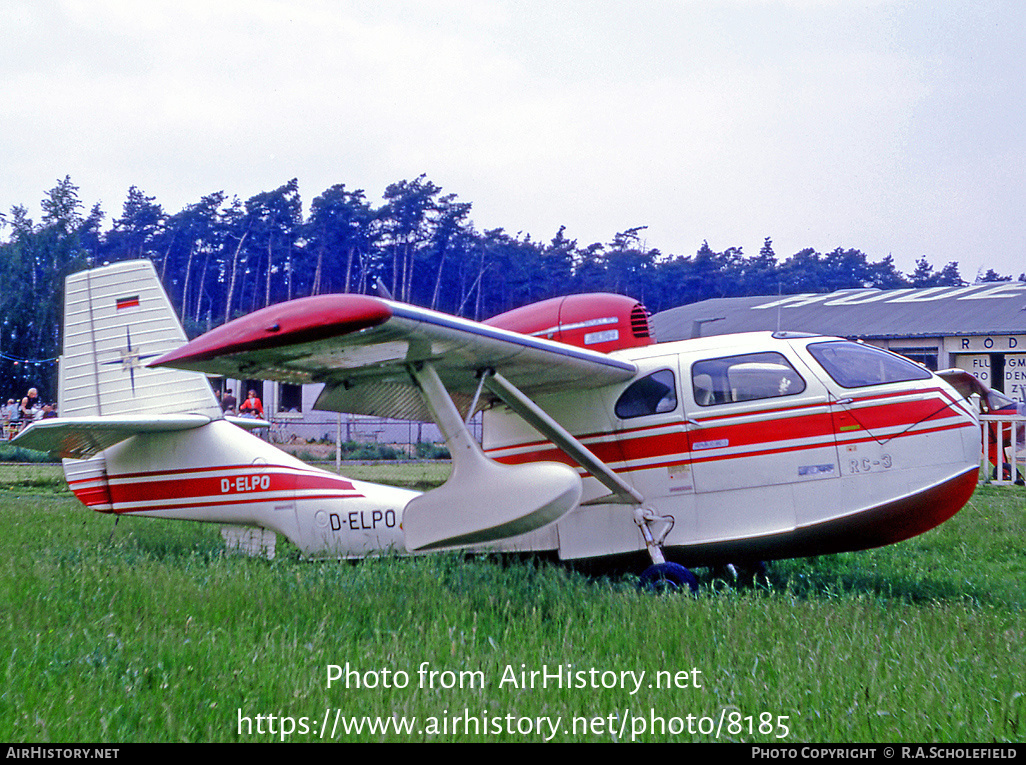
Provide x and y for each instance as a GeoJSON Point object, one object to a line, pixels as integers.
{"type": "Point", "coordinates": [639, 321]}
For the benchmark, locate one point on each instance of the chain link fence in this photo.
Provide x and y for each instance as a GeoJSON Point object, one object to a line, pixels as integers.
{"type": "Point", "coordinates": [402, 452]}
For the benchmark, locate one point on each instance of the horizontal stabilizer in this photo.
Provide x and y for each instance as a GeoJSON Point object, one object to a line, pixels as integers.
{"type": "Point", "coordinates": [81, 437]}
{"type": "Point", "coordinates": [247, 423]}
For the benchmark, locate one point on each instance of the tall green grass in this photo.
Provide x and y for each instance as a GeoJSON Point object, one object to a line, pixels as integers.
{"type": "Point", "coordinates": [146, 631]}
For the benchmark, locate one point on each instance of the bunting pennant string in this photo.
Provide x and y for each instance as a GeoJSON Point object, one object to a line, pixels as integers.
{"type": "Point", "coordinates": [20, 360]}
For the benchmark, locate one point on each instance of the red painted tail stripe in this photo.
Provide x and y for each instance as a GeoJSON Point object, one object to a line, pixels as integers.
{"type": "Point", "coordinates": [238, 484]}
{"type": "Point", "coordinates": [208, 486]}
{"type": "Point", "coordinates": [95, 496]}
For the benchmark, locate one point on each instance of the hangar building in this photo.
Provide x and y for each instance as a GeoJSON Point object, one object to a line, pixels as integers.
{"type": "Point", "coordinates": [981, 329]}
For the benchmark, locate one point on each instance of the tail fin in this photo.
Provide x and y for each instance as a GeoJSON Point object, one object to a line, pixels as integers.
{"type": "Point", "coordinates": [115, 319]}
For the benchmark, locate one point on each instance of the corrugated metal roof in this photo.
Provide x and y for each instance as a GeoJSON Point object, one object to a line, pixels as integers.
{"type": "Point", "coordinates": [983, 309]}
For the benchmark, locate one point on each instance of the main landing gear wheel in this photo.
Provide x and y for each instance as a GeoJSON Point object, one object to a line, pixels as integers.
{"type": "Point", "coordinates": [668, 577]}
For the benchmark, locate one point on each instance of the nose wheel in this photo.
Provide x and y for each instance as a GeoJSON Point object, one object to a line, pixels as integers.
{"type": "Point", "coordinates": [661, 576]}
{"type": "Point", "coordinates": [668, 577]}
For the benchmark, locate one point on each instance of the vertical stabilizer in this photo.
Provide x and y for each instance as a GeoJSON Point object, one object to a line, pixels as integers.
{"type": "Point", "coordinates": [116, 319]}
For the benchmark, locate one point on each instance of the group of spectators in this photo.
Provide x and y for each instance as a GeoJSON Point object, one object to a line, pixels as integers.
{"type": "Point", "coordinates": [251, 406]}
{"type": "Point", "coordinates": [16, 415]}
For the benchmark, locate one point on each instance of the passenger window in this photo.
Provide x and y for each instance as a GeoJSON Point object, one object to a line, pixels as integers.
{"type": "Point", "coordinates": [654, 394]}
{"type": "Point", "coordinates": [854, 365]}
{"type": "Point", "coordinates": [744, 378]}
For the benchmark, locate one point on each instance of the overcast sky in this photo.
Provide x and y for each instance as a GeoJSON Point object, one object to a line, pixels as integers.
{"type": "Point", "coordinates": [893, 127]}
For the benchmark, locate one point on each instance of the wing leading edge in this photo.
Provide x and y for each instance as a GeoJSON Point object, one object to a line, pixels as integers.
{"type": "Point", "coordinates": [363, 347]}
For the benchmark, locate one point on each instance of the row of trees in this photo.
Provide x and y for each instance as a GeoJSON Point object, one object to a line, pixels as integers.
{"type": "Point", "coordinates": [221, 257]}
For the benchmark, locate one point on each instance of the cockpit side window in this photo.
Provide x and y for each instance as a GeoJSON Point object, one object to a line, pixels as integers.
{"type": "Point", "coordinates": [748, 377]}
{"type": "Point", "coordinates": [654, 394]}
{"type": "Point", "coordinates": [854, 365]}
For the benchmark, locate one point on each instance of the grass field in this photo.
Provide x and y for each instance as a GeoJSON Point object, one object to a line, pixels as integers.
{"type": "Point", "coordinates": [146, 631]}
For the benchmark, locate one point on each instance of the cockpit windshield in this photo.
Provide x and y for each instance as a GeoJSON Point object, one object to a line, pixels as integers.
{"type": "Point", "coordinates": [855, 365]}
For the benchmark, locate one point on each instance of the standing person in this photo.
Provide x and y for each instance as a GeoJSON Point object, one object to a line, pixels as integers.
{"type": "Point", "coordinates": [11, 419]}
{"type": "Point", "coordinates": [229, 402]}
{"type": "Point", "coordinates": [28, 405]}
{"type": "Point", "coordinates": [252, 407]}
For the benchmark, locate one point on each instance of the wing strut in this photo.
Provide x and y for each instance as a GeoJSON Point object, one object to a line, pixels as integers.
{"type": "Point", "coordinates": [535, 416]}
{"type": "Point", "coordinates": [621, 491]}
{"type": "Point", "coordinates": [483, 501]}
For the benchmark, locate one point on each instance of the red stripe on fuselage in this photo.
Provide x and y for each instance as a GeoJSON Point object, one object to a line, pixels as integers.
{"type": "Point", "coordinates": [222, 485]}
{"type": "Point", "coordinates": [248, 467]}
{"type": "Point", "coordinates": [776, 435]}
{"type": "Point", "coordinates": [236, 500]}
{"type": "Point", "coordinates": [900, 413]}
{"type": "Point", "coordinates": [781, 450]}
{"type": "Point", "coordinates": [91, 496]}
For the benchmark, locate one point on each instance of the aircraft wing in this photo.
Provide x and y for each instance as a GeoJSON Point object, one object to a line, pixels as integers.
{"type": "Point", "coordinates": [362, 346]}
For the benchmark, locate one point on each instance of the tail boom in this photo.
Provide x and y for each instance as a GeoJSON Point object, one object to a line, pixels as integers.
{"type": "Point", "coordinates": [221, 474]}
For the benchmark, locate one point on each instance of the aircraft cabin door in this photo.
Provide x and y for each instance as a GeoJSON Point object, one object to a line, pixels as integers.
{"type": "Point", "coordinates": [654, 445]}
{"type": "Point", "coordinates": [760, 433]}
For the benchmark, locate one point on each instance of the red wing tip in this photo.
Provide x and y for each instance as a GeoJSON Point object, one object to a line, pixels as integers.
{"type": "Point", "coordinates": [295, 322]}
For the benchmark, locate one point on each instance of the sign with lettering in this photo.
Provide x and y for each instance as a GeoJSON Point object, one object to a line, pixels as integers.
{"type": "Point", "coordinates": [986, 344]}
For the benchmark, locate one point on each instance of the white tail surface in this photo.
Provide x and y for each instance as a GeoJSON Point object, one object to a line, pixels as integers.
{"type": "Point", "coordinates": [116, 319]}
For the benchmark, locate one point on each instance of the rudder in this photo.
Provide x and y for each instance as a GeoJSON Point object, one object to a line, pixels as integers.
{"type": "Point", "coordinates": [116, 318]}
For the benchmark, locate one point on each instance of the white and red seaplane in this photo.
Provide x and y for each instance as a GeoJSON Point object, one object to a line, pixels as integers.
{"type": "Point", "coordinates": [597, 440]}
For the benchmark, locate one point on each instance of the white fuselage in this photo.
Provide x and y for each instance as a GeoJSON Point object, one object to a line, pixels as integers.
{"type": "Point", "coordinates": [773, 472]}
{"type": "Point", "coordinates": [761, 464]}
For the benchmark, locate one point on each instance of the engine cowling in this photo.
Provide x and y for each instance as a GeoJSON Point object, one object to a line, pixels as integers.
{"type": "Point", "coordinates": [599, 321]}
